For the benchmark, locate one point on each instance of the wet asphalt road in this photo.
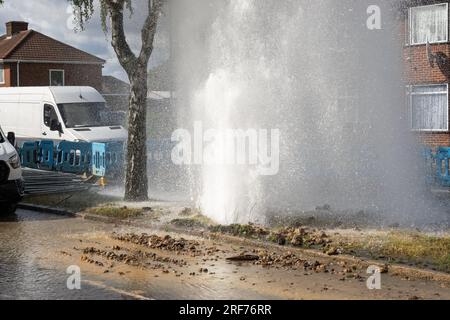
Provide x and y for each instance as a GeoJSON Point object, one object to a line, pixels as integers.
{"type": "Point", "coordinates": [36, 249]}
{"type": "Point", "coordinates": [27, 270]}
{"type": "Point", "coordinates": [34, 257]}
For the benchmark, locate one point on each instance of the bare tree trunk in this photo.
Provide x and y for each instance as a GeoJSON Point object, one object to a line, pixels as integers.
{"type": "Point", "coordinates": [136, 181]}
{"type": "Point", "coordinates": [136, 186]}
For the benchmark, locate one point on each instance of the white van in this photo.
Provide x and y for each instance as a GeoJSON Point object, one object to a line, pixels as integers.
{"type": "Point", "coordinates": [11, 183]}
{"type": "Point", "coordinates": [57, 113]}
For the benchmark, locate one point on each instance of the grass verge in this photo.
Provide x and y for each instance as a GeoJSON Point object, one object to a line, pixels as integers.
{"type": "Point", "coordinates": [116, 212]}
{"type": "Point", "coordinates": [403, 247]}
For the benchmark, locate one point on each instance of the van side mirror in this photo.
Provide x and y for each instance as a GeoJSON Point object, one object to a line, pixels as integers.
{"type": "Point", "coordinates": [55, 125]}
{"type": "Point", "coordinates": [12, 138]}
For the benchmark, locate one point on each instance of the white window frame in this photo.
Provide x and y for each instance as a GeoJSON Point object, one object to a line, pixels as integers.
{"type": "Point", "coordinates": [410, 29]}
{"type": "Point", "coordinates": [410, 95]}
{"type": "Point", "coordinates": [2, 72]}
{"type": "Point", "coordinates": [57, 70]}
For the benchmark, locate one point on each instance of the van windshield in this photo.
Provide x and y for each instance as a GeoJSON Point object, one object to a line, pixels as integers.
{"type": "Point", "coordinates": [79, 115]}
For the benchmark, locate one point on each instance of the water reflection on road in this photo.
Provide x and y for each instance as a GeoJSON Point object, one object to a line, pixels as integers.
{"type": "Point", "coordinates": [27, 242]}
{"type": "Point", "coordinates": [36, 249]}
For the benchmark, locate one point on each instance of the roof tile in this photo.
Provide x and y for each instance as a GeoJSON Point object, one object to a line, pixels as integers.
{"type": "Point", "coordinates": [33, 45]}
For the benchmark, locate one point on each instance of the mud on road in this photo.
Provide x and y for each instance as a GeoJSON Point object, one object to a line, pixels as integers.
{"type": "Point", "coordinates": [198, 268]}
{"type": "Point", "coordinates": [127, 262]}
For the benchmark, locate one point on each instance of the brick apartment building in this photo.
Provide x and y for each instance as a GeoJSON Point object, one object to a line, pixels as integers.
{"type": "Point", "coordinates": [30, 58]}
{"type": "Point", "coordinates": [427, 68]}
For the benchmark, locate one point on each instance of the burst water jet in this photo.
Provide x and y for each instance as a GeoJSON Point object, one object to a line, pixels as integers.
{"type": "Point", "coordinates": [331, 86]}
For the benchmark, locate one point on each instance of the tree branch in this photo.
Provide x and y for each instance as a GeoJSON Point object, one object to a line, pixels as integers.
{"type": "Point", "coordinates": [125, 55]}
{"type": "Point", "coordinates": [149, 30]}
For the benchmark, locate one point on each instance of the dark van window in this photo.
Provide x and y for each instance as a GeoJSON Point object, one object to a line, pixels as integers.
{"type": "Point", "coordinates": [49, 114]}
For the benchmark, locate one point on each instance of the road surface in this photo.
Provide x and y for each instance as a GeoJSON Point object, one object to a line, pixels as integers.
{"type": "Point", "coordinates": [36, 249]}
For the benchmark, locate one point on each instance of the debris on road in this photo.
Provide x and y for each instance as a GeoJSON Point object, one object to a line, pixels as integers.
{"type": "Point", "coordinates": [166, 243]}
{"type": "Point", "coordinates": [303, 237]}
{"type": "Point", "coordinates": [244, 257]}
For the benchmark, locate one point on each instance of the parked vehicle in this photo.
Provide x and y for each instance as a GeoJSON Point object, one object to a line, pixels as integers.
{"type": "Point", "coordinates": [11, 182]}
{"type": "Point", "coordinates": [57, 113]}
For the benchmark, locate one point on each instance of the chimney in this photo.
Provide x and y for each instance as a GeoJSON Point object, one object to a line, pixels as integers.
{"type": "Point", "coordinates": [15, 27]}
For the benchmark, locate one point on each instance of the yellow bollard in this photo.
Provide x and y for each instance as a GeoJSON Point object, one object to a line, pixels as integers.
{"type": "Point", "coordinates": [102, 182]}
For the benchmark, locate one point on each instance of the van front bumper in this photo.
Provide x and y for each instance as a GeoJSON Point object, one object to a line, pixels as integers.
{"type": "Point", "coordinates": [12, 191]}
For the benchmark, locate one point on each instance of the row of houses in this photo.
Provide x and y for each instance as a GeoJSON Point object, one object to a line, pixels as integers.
{"type": "Point", "coordinates": [29, 58]}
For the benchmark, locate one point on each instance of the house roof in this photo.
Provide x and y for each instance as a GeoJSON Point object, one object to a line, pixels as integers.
{"type": "Point", "coordinates": [112, 85]}
{"type": "Point", "coordinates": [31, 45]}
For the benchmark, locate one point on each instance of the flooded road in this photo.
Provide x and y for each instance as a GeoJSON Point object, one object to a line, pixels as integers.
{"type": "Point", "coordinates": [36, 249]}
{"type": "Point", "coordinates": [28, 270]}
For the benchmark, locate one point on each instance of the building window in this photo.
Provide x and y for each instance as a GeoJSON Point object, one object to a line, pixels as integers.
{"type": "Point", "coordinates": [429, 107]}
{"type": "Point", "coordinates": [56, 78]}
{"type": "Point", "coordinates": [428, 23]}
{"type": "Point", "coordinates": [2, 74]}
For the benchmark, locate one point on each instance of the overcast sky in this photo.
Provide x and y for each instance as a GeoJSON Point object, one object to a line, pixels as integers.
{"type": "Point", "coordinates": [55, 19]}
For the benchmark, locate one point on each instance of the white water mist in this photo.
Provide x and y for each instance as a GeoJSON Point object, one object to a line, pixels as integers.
{"type": "Point", "coordinates": [313, 70]}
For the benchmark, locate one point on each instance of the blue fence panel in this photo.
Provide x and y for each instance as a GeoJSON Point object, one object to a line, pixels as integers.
{"type": "Point", "coordinates": [114, 158]}
{"type": "Point", "coordinates": [29, 154]}
{"type": "Point", "coordinates": [430, 165]}
{"type": "Point", "coordinates": [74, 157]}
{"type": "Point", "coordinates": [99, 159]}
{"type": "Point", "coordinates": [442, 164]}
{"type": "Point", "coordinates": [46, 157]}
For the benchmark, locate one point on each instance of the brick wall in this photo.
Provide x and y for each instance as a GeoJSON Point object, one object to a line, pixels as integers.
{"type": "Point", "coordinates": [417, 70]}
{"type": "Point", "coordinates": [434, 139]}
{"type": "Point", "coordinates": [37, 74]}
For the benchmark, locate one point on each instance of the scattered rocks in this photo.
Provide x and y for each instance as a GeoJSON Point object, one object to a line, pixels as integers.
{"type": "Point", "coordinates": [166, 243]}
{"type": "Point", "coordinates": [290, 261]}
{"type": "Point", "coordinates": [91, 261]}
{"type": "Point", "coordinates": [300, 237]}
{"type": "Point", "coordinates": [135, 258]}
{"type": "Point", "coordinates": [281, 239]}
{"type": "Point", "coordinates": [384, 268]}
{"type": "Point", "coordinates": [295, 236]}
{"type": "Point", "coordinates": [297, 240]}
{"type": "Point", "coordinates": [243, 230]}
{"type": "Point", "coordinates": [332, 251]}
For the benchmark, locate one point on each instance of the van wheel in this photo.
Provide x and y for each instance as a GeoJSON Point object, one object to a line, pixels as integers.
{"type": "Point", "coordinates": [7, 208]}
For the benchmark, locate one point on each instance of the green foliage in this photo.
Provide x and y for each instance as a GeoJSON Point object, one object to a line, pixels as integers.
{"type": "Point", "coordinates": [84, 9]}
